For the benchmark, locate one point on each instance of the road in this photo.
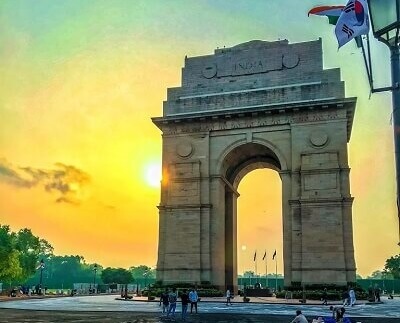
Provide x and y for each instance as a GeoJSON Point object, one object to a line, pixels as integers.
{"type": "Point", "coordinates": [106, 308]}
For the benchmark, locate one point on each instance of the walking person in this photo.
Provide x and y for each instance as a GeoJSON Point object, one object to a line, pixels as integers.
{"type": "Point", "coordinates": [228, 297]}
{"type": "Point", "coordinates": [371, 296]}
{"type": "Point", "coordinates": [352, 296]}
{"type": "Point", "coordinates": [377, 293]}
{"type": "Point", "coordinates": [172, 297]}
{"type": "Point", "coordinates": [185, 302]}
{"type": "Point", "coordinates": [324, 298]}
{"type": "Point", "coordinates": [193, 298]}
{"type": "Point", "coordinates": [164, 301]}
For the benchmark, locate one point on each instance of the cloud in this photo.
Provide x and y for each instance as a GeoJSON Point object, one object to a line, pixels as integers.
{"type": "Point", "coordinates": [12, 177]}
{"type": "Point", "coordinates": [64, 199]}
{"type": "Point", "coordinates": [65, 180]}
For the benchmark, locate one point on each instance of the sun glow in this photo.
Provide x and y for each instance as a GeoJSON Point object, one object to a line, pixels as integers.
{"type": "Point", "coordinates": [153, 175]}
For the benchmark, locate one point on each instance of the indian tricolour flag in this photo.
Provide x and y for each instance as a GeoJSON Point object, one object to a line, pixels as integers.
{"type": "Point", "coordinates": [332, 12]}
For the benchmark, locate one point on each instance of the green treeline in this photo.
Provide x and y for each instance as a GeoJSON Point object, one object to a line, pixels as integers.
{"type": "Point", "coordinates": [21, 254]}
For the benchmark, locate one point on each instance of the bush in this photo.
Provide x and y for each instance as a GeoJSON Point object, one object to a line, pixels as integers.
{"type": "Point", "coordinates": [315, 291]}
{"type": "Point", "coordinates": [202, 292]}
{"type": "Point", "coordinates": [209, 293]}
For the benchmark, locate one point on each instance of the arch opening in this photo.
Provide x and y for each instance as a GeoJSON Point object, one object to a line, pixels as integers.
{"type": "Point", "coordinates": [242, 160]}
{"type": "Point", "coordinates": [260, 227]}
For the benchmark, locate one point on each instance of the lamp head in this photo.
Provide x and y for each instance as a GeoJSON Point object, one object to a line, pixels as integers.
{"type": "Point", "coordinates": [385, 20]}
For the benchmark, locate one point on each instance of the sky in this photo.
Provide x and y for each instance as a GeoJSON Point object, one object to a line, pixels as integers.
{"type": "Point", "coordinates": [80, 158]}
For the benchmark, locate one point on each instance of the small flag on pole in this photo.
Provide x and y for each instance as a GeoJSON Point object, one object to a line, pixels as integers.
{"type": "Point", "coordinates": [265, 254]}
{"type": "Point", "coordinates": [274, 255]}
{"type": "Point", "coordinates": [332, 12]}
{"type": "Point", "coordinates": [353, 21]}
{"type": "Point", "coordinates": [255, 255]}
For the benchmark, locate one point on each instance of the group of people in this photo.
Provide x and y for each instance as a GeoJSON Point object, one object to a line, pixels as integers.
{"type": "Point", "coordinates": [337, 316]}
{"type": "Point", "coordinates": [168, 301]}
{"type": "Point", "coordinates": [348, 296]}
{"type": "Point", "coordinates": [27, 290]}
{"type": "Point", "coordinates": [374, 293]}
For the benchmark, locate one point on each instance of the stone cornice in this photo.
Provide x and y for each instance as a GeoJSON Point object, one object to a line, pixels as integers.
{"type": "Point", "coordinates": [324, 268]}
{"type": "Point", "coordinates": [183, 206]}
{"type": "Point", "coordinates": [266, 115]}
{"type": "Point", "coordinates": [323, 202]}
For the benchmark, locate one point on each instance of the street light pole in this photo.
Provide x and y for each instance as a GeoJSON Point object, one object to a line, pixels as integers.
{"type": "Point", "coordinates": [94, 276]}
{"type": "Point", "coordinates": [395, 67]}
{"type": "Point", "coordinates": [145, 278]}
{"type": "Point", "coordinates": [385, 21]}
{"type": "Point", "coordinates": [41, 275]}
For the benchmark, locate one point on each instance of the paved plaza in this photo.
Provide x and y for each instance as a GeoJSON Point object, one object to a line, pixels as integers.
{"type": "Point", "coordinates": [106, 308]}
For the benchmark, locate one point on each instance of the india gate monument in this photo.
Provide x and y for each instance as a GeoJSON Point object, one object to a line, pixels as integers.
{"type": "Point", "coordinates": [259, 104]}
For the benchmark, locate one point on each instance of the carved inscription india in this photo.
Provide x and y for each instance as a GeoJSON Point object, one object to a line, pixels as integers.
{"type": "Point", "coordinates": [247, 66]}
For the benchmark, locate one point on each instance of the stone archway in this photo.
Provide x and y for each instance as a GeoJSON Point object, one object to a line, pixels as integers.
{"type": "Point", "coordinates": [258, 104]}
{"type": "Point", "coordinates": [236, 164]}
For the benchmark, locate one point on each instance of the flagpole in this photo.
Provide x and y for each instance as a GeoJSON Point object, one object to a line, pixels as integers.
{"type": "Point", "coordinates": [276, 274]}
{"type": "Point", "coordinates": [370, 64]}
{"type": "Point", "coordinates": [255, 265]}
{"type": "Point", "coordinates": [367, 67]}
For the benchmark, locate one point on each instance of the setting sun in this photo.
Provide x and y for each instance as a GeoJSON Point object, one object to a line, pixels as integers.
{"type": "Point", "coordinates": [153, 175]}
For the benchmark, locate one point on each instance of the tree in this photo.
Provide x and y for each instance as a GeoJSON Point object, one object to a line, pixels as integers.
{"type": "Point", "coordinates": [20, 253]}
{"type": "Point", "coordinates": [377, 274]}
{"type": "Point", "coordinates": [392, 266]}
{"type": "Point", "coordinates": [248, 273]}
{"type": "Point", "coordinates": [10, 268]}
{"type": "Point", "coordinates": [64, 271]}
{"type": "Point", "coordinates": [30, 249]}
{"type": "Point", "coordinates": [139, 272]}
{"type": "Point", "coordinates": [116, 276]}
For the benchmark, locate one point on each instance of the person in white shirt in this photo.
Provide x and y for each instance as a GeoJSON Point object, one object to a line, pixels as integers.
{"type": "Point", "coordinates": [352, 295]}
{"type": "Point", "coordinates": [300, 318]}
{"type": "Point", "coordinates": [193, 298]}
{"type": "Point", "coordinates": [228, 297]}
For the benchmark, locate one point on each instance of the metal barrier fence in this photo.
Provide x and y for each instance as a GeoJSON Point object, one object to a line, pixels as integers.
{"type": "Point", "coordinates": [390, 286]}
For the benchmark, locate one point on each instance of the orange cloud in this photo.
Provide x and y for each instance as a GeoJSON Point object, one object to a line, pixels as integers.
{"type": "Point", "coordinates": [66, 180]}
